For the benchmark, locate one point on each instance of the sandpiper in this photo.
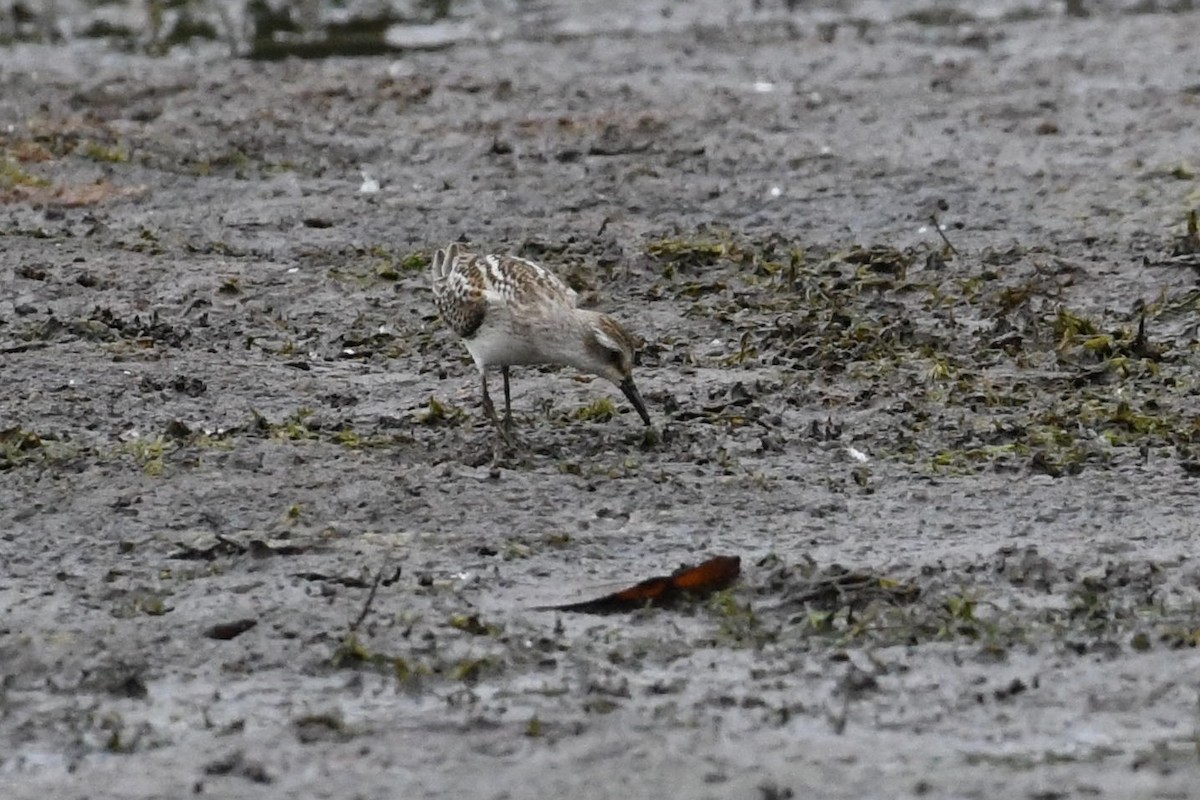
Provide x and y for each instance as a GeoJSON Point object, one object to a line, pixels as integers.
{"type": "Point", "coordinates": [512, 311]}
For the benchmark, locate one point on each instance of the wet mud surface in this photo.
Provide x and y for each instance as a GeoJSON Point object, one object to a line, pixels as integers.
{"type": "Point", "coordinates": [961, 481]}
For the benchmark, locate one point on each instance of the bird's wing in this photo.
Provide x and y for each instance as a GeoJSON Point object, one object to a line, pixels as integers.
{"type": "Point", "coordinates": [466, 285]}
{"type": "Point", "coordinates": [517, 282]}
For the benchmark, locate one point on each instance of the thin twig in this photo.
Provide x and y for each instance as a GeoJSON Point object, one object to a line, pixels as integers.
{"type": "Point", "coordinates": [366, 609]}
{"type": "Point", "coordinates": [938, 227]}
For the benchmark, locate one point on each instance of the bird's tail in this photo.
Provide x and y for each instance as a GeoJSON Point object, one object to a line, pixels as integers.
{"type": "Point", "coordinates": [443, 262]}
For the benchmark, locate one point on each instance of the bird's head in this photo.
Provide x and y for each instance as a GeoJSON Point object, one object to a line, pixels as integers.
{"type": "Point", "coordinates": [609, 350]}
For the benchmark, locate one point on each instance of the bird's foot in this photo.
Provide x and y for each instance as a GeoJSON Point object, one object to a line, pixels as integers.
{"type": "Point", "coordinates": [503, 428]}
{"type": "Point", "coordinates": [506, 438]}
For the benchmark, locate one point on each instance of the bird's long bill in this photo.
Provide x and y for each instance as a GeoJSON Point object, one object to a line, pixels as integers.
{"type": "Point", "coordinates": [632, 393]}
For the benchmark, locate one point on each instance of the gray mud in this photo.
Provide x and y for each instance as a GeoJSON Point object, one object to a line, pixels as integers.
{"type": "Point", "coordinates": [961, 483]}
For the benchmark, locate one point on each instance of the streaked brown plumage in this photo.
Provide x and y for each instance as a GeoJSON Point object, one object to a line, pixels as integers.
{"type": "Point", "coordinates": [510, 311]}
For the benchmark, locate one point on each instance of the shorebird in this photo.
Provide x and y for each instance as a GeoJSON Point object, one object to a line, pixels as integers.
{"type": "Point", "coordinates": [510, 311]}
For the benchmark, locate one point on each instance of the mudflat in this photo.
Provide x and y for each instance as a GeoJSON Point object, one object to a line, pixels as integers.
{"type": "Point", "coordinates": [918, 293]}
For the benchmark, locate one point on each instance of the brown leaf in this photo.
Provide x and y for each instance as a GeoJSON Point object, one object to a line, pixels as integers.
{"type": "Point", "coordinates": [713, 575]}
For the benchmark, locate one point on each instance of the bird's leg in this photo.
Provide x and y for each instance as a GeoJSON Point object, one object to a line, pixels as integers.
{"type": "Point", "coordinates": [507, 400]}
{"type": "Point", "coordinates": [490, 410]}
